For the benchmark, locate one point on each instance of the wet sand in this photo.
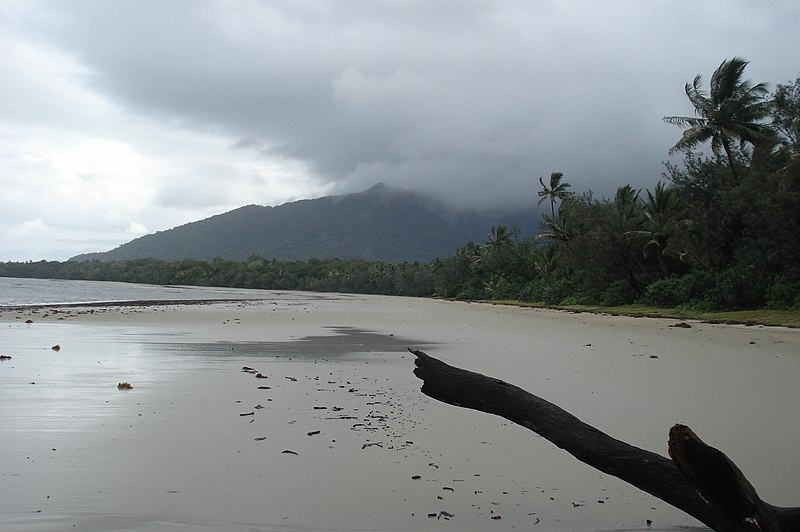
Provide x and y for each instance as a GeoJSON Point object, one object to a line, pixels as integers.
{"type": "Point", "coordinates": [337, 435]}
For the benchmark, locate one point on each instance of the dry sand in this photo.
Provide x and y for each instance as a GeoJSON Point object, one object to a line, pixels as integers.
{"type": "Point", "coordinates": [190, 448]}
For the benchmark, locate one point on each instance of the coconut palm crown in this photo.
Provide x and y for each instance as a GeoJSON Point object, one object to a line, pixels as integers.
{"type": "Point", "coordinates": [731, 110]}
{"type": "Point", "coordinates": [556, 191]}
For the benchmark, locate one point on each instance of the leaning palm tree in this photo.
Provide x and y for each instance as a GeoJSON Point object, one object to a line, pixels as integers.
{"type": "Point", "coordinates": [731, 110]}
{"type": "Point", "coordinates": [556, 191]}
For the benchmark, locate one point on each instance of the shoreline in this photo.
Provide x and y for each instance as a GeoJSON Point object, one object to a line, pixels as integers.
{"type": "Point", "coordinates": [177, 449]}
{"type": "Point", "coordinates": [765, 317]}
{"type": "Point", "coordinates": [749, 318]}
{"type": "Point", "coordinates": [209, 294]}
{"type": "Point", "coordinates": [123, 303]}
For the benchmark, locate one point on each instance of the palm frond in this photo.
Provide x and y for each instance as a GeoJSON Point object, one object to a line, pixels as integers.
{"type": "Point", "coordinates": [727, 79]}
{"type": "Point", "coordinates": [685, 121]}
{"type": "Point", "coordinates": [698, 97]}
{"type": "Point", "coordinates": [692, 138]}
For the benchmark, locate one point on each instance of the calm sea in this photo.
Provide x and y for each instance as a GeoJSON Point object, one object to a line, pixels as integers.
{"type": "Point", "coordinates": [18, 292]}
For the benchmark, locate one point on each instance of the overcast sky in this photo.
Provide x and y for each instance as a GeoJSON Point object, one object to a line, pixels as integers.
{"type": "Point", "coordinates": [119, 118]}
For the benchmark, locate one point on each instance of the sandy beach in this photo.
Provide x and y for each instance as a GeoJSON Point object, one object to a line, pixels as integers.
{"type": "Point", "coordinates": [335, 434]}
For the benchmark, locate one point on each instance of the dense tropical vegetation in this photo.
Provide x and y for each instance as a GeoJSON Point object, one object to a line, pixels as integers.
{"type": "Point", "coordinates": [721, 231]}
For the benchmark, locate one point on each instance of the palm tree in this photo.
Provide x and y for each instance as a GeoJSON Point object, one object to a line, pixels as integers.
{"type": "Point", "coordinates": [731, 110]}
{"type": "Point", "coordinates": [627, 204]}
{"type": "Point", "coordinates": [499, 241]}
{"type": "Point", "coordinates": [546, 262]}
{"type": "Point", "coordinates": [498, 250]}
{"type": "Point", "coordinates": [660, 209]}
{"type": "Point", "coordinates": [629, 219]}
{"type": "Point", "coordinates": [560, 229]}
{"type": "Point", "coordinates": [556, 191]}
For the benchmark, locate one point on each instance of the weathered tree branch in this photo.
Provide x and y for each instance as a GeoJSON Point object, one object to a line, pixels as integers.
{"type": "Point", "coordinates": [721, 484]}
{"type": "Point", "coordinates": [705, 483]}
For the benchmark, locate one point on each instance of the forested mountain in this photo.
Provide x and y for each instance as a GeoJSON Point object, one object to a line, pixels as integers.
{"type": "Point", "coordinates": [381, 223]}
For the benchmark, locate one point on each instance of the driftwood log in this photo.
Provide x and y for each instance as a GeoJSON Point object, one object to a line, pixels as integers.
{"type": "Point", "coordinates": [699, 480]}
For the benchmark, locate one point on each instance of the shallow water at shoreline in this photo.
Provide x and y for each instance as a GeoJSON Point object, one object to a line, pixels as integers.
{"type": "Point", "coordinates": [24, 292]}
{"type": "Point", "coordinates": [68, 430]}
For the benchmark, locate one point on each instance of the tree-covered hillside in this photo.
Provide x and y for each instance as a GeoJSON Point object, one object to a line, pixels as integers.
{"type": "Point", "coordinates": [381, 223]}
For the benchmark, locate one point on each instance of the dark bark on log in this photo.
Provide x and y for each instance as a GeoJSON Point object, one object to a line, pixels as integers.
{"type": "Point", "coordinates": [723, 486]}
{"type": "Point", "coordinates": [727, 503]}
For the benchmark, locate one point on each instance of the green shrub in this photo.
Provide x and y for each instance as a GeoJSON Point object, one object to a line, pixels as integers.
{"type": "Point", "coordinates": [533, 291]}
{"type": "Point", "coordinates": [782, 295]}
{"type": "Point", "coordinates": [784, 291]}
{"type": "Point", "coordinates": [549, 292]}
{"type": "Point", "coordinates": [740, 286]}
{"type": "Point", "coordinates": [618, 293]}
{"type": "Point", "coordinates": [570, 300]}
{"type": "Point", "coordinates": [693, 289]}
{"type": "Point", "coordinates": [669, 292]}
{"type": "Point", "coordinates": [467, 295]}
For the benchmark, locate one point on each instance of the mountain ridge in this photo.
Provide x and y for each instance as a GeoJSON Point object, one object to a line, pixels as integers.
{"type": "Point", "coordinates": [380, 223]}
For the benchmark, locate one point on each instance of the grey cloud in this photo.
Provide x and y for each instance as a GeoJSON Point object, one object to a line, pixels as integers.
{"type": "Point", "coordinates": [471, 100]}
{"type": "Point", "coordinates": [247, 144]}
{"type": "Point", "coordinates": [203, 188]}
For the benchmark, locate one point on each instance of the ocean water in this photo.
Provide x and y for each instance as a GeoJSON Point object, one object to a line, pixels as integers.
{"type": "Point", "coordinates": [21, 292]}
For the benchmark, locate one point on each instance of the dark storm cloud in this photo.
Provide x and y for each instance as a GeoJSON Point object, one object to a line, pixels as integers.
{"type": "Point", "coordinates": [472, 100]}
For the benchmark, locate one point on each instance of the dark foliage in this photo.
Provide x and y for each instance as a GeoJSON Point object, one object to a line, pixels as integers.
{"type": "Point", "coordinates": [320, 275]}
